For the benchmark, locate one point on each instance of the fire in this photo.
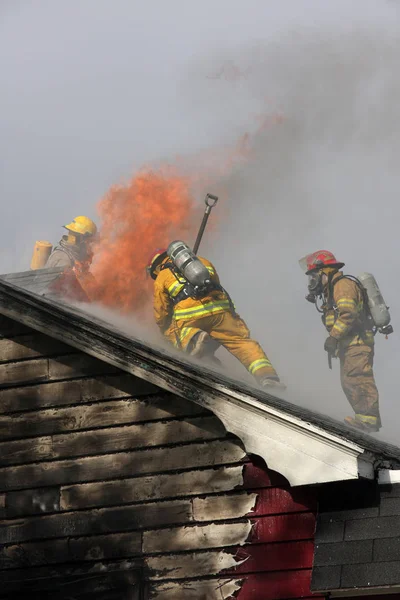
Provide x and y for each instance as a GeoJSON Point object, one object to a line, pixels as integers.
{"type": "Point", "coordinates": [147, 213]}
{"type": "Point", "coordinates": [152, 209]}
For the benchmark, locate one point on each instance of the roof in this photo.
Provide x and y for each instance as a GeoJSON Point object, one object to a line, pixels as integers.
{"type": "Point", "coordinates": [34, 281]}
{"type": "Point", "coordinates": [283, 434]}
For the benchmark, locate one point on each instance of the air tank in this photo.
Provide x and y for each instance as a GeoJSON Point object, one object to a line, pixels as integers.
{"type": "Point", "coordinates": [41, 253]}
{"type": "Point", "coordinates": [188, 264]}
{"type": "Point", "coordinates": [377, 306]}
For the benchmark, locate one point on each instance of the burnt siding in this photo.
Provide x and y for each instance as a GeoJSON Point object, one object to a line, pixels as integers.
{"type": "Point", "coordinates": [357, 539]}
{"type": "Point", "coordinates": [105, 479]}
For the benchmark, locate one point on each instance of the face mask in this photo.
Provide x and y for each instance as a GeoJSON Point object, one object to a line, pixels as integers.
{"type": "Point", "coordinates": [315, 287]}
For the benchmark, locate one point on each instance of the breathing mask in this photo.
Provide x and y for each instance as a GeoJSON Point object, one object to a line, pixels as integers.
{"type": "Point", "coordinates": [315, 286]}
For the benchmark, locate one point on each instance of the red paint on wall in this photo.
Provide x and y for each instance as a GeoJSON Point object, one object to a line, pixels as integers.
{"type": "Point", "coordinates": [279, 552]}
{"type": "Point", "coordinates": [279, 528]}
{"type": "Point", "coordinates": [276, 586]}
{"type": "Point", "coordinates": [275, 557]}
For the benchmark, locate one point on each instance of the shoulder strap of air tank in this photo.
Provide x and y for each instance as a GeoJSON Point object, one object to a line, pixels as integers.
{"type": "Point", "coordinates": [67, 251]}
{"type": "Point", "coordinates": [168, 265]}
{"type": "Point", "coordinates": [332, 284]}
{"type": "Point", "coordinates": [360, 286]}
{"type": "Point", "coordinates": [184, 293]}
{"type": "Point", "coordinates": [171, 266]}
{"type": "Point", "coordinates": [351, 278]}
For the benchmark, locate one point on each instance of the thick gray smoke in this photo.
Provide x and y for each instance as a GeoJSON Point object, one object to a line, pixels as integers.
{"type": "Point", "coordinates": [93, 90]}
{"type": "Point", "coordinates": [325, 176]}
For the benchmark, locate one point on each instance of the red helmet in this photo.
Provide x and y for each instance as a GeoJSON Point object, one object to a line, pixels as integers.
{"type": "Point", "coordinates": [319, 260]}
{"type": "Point", "coordinates": [155, 261]}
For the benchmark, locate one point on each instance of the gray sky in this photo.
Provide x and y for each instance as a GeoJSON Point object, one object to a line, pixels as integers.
{"type": "Point", "coordinates": [93, 89]}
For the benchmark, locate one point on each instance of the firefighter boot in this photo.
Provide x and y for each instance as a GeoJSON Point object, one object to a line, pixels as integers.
{"type": "Point", "coordinates": [202, 345]}
{"type": "Point", "coordinates": [366, 424]}
{"type": "Point", "coordinates": [270, 383]}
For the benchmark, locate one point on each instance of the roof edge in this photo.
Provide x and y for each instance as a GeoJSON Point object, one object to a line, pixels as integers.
{"type": "Point", "coordinates": [285, 441]}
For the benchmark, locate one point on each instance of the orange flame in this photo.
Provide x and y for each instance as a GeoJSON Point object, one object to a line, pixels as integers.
{"type": "Point", "coordinates": [151, 210]}
{"type": "Point", "coordinates": [137, 218]}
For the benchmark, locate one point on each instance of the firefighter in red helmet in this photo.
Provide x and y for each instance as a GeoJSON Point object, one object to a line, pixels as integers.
{"type": "Point", "coordinates": [351, 337]}
{"type": "Point", "coordinates": [194, 324]}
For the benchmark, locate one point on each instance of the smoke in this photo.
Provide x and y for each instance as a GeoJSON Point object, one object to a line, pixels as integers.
{"type": "Point", "coordinates": [324, 177]}
{"type": "Point", "coordinates": [289, 113]}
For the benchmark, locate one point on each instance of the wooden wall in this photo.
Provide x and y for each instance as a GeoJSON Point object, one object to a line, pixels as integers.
{"type": "Point", "coordinates": [106, 480]}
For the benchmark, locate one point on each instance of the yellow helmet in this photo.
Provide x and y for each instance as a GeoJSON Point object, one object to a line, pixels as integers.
{"type": "Point", "coordinates": [82, 225]}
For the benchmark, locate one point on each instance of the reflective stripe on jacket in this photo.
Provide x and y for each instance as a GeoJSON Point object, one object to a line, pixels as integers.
{"type": "Point", "coordinates": [347, 323]}
{"type": "Point", "coordinates": [167, 287]}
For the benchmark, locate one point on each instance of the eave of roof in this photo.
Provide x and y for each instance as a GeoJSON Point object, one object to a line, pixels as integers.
{"type": "Point", "coordinates": [304, 446]}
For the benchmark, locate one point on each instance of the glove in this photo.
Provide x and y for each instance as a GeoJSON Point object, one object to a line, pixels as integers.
{"type": "Point", "coordinates": [331, 345]}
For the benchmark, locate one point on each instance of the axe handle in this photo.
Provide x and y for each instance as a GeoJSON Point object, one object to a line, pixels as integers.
{"type": "Point", "coordinates": [209, 206]}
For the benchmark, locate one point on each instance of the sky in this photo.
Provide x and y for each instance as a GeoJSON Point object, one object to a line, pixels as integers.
{"type": "Point", "coordinates": [93, 90]}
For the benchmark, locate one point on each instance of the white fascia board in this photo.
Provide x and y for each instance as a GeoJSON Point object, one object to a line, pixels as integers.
{"type": "Point", "coordinates": [388, 476]}
{"type": "Point", "coordinates": [302, 452]}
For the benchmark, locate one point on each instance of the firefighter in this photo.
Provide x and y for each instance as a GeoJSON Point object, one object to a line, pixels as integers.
{"type": "Point", "coordinates": [74, 249]}
{"type": "Point", "coordinates": [351, 338]}
{"type": "Point", "coordinates": [198, 325]}
{"type": "Point", "coordinates": [74, 253]}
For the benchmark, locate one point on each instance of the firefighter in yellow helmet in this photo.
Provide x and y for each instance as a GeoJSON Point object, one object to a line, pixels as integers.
{"type": "Point", "coordinates": [74, 254]}
{"type": "Point", "coordinates": [351, 337]}
{"type": "Point", "coordinates": [193, 324]}
{"type": "Point", "coordinates": [74, 249]}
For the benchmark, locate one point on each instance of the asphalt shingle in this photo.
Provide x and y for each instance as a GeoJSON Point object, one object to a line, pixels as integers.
{"type": "Point", "coordinates": [343, 553]}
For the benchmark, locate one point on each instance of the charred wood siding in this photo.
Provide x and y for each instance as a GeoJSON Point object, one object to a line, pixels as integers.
{"type": "Point", "coordinates": [103, 474]}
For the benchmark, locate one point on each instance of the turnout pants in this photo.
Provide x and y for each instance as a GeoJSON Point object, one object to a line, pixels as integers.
{"type": "Point", "coordinates": [358, 383]}
{"type": "Point", "coordinates": [232, 333]}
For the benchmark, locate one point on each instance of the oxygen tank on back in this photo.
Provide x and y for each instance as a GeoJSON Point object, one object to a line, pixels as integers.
{"type": "Point", "coordinates": [40, 255]}
{"type": "Point", "coordinates": [189, 265]}
{"type": "Point", "coordinates": [377, 306]}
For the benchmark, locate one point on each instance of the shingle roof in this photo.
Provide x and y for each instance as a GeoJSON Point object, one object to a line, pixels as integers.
{"type": "Point", "coordinates": [170, 371]}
